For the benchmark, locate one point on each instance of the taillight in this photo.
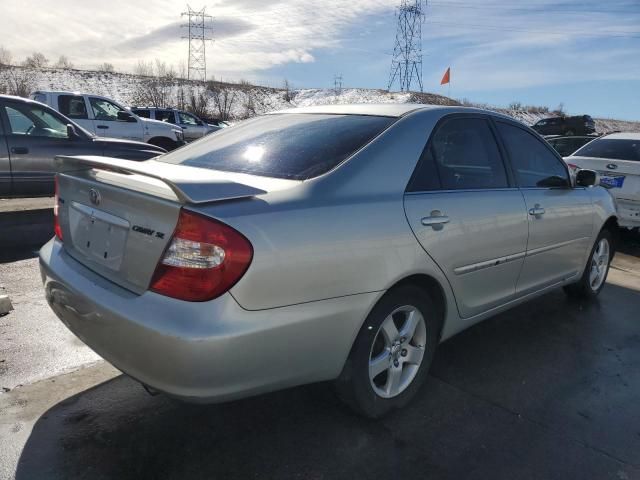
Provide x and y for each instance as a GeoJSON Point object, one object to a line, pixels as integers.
{"type": "Point", "coordinates": [205, 258]}
{"type": "Point", "coordinates": [56, 207]}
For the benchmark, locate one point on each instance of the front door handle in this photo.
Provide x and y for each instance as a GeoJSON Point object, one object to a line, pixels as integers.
{"type": "Point", "coordinates": [19, 150]}
{"type": "Point", "coordinates": [435, 220]}
{"type": "Point", "coordinates": [536, 211]}
{"type": "Point", "coordinates": [102, 127]}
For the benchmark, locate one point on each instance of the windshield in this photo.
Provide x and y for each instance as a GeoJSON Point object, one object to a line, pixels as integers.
{"type": "Point", "coordinates": [293, 146]}
{"type": "Point", "coordinates": [619, 149]}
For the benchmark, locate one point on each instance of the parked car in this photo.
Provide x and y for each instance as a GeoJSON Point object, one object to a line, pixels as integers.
{"type": "Point", "coordinates": [105, 117]}
{"type": "Point", "coordinates": [194, 128]}
{"type": "Point", "coordinates": [578, 125]}
{"type": "Point", "coordinates": [616, 157]}
{"type": "Point", "coordinates": [32, 134]}
{"type": "Point", "coordinates": [341, 242]}
{"type": "Point", "coordinates": [565, 146]}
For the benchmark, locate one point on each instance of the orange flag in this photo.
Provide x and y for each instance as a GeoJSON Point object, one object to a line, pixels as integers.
{"type": "Point", "coordinates": [446, 77]}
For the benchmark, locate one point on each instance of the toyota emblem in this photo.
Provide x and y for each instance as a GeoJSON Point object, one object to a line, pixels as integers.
{"type": "Point", "coordinates": [94, 196]}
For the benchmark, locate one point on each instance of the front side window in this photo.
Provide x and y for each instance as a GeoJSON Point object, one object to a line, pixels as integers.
{"type": "Point", "coordinates": [295, 146]}
{"type": "Point", "coordinates": [534, 164]}
{"type": "Point", "coordinates": [614, 148]}
{"type": "Point", "coordinates": [104, 109]}
{"type": "Point", "coordinates": [465, 155]}
{"type": "Point", "coordinates": [165, 116]}
{"type": "Point", "coordinates": [142, 113]}
{"type": "Point", "coordinates": [187, 119]}
{"type": "Point", "coordinates": [34, 121]}
{"type": "Point", "coordinates": [72, 106]}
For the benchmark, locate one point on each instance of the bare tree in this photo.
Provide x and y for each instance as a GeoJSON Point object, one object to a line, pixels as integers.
{"type": "Point", "coordinates": [223, 99]}
{"type": "Point", "coordinates": [5, 57]}
{"type": "Point", "coordinates": [106, 67]}
{"type": "Point", "coordinates": [64, 63]}
{"type": "Point", "coordinates": [155, 85]}
{"type": "Point", "coordinates": [37, 60]}
{"type": "Point", "coordinates": [19, 82]}
{"type": "Point", "coordinates": [198, 103]}
{"type": "Point", "coordinates": [287, 91]}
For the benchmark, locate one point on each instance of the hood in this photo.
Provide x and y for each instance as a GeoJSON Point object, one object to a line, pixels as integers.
{"type": "Point", "coordinates": [150, 122]}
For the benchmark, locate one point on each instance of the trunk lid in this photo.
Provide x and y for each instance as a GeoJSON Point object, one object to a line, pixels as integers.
{"type": "Point", "coordinates": [118, 216]}
{"type": "Point", "coordinates": [621, 176]}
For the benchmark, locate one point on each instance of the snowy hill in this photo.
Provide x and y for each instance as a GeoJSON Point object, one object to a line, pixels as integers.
{"type": "Point", "coordinates": [239, 101]}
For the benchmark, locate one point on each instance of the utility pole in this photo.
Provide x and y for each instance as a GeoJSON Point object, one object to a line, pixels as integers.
{"type": "Point", "coordinates": [406, 65]}
{"type": "Point", "coordinates": [198, 28]}
{"type": "Point", "coordinates": [337, 84]}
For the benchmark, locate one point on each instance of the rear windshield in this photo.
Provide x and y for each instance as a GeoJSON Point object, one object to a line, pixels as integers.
{"type": "Point", "coordinates": [618, 149]}
{"type": "Point", "coordinates": [294, 146]}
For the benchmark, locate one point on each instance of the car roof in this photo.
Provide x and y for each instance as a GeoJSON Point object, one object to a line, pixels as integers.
{"type": "Point", "coordinates": [383, 109]}
{"type": "Point", "coordinates": [623, 136]}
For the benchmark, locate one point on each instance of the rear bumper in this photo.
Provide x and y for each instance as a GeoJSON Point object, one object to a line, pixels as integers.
{"type": "Point", "coordinates": [208, 351]}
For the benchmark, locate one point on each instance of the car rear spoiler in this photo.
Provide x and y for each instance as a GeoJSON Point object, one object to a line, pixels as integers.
{"type": "Point", "coordinates": [191, 185]}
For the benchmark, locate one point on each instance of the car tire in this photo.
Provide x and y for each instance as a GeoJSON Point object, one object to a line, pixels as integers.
{"type": "Point", "coordinates": [408, 354]}
{"type": "Point", "coordinates": [163, 142]}
{"type": "Point", "coordinates": [596, 270]}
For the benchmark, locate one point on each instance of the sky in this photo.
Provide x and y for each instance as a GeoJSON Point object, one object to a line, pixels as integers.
{"type": "Point", "coordinates": [583, 54]}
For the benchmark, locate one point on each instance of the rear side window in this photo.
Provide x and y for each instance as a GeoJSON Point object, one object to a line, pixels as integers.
{"type": "Point", "coordinates": [614, 148]}
{"type": "Point", "coordinates": [464, 155]}
{"type": "Point", "coordinates": [534, 164]}
{"type": "Point", "coordinates": [72, 106]}
{"type": "Point", "coordinates": [294, 146]}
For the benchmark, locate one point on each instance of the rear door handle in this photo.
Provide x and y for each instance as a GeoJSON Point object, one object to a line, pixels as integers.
{"type": "Point", "coordinates": [19, 150]}
{"type": "Point", "coordinates": [435, 220]}
{"type": "Point", "coordinates": [102, 127]}
{"type": "Point", "coordinates": [536, 211]}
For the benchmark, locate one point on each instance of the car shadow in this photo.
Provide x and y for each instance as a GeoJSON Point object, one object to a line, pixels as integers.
{"type": "Point", "coordinates": [547, 390]}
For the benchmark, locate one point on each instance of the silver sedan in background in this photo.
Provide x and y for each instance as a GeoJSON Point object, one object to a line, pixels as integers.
{"type": "Point", "coordinates": [327, 243]}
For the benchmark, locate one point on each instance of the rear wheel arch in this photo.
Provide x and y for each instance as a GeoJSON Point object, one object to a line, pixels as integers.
{"type": "Point", "coordinates": [433, 289]}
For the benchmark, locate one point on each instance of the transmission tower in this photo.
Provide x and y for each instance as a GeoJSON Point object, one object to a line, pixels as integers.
{"type": "Point", "coordinates": [337, 84]}
{"type": "Point", "coordinates": [198, 27]}
{"type": "Point", "coordinates": [406, 65]}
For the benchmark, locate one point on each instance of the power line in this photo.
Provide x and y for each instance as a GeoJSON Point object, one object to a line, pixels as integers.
{"type": "Point", "coordinates": [406, 65]}
{"type": "Point", "coordinates": [198, 37]}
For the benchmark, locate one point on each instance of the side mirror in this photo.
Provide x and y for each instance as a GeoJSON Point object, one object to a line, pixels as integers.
{"type": "Point", "coordinates": [586, 178]}
{"type": "Point", "coordinates": [72, 133]}
{"type": "Point", "coordinates": [124, 116]}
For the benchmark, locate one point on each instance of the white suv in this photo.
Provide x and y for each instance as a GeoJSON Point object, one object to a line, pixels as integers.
{"type": "Point", "coordinates": [106, 118]}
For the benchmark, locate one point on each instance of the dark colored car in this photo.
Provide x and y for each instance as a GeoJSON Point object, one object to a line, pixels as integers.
{"type": "Point", "coordinates": [32, 134]}
{"type": "Point", "coordinates": [565, 146]}
{"type": "Point", "coordinates": [578, 125]}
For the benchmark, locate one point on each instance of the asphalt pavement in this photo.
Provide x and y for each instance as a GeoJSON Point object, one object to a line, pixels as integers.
{"type": "Point", "coordinates": [550, 389]}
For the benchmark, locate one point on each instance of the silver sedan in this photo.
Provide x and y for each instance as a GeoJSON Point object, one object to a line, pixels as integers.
{"type": "Point", "coordinates": [328, 243]}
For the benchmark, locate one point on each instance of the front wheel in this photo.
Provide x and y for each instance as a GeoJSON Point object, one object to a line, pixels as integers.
{"type": "Point", "coordinates": [596, 270]}
{"type": "Point", "coordinates": [392, 353]}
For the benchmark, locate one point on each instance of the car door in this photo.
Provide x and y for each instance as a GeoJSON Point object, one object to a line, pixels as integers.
{"type": "Point", "coordinates": [193, 128]}
{"type": "Point", "coordinates": [467, 214]}
{"type": "Point", "coordinates": [560, 217]}
{"type": "Point", "coordinates": [5, 163]}
{"type": "Point", "coordinates": [106, 123]}
{"type": "Point", "coordinates": [75, 107]}
{"type": "Point", "coordinates": [36, 134]}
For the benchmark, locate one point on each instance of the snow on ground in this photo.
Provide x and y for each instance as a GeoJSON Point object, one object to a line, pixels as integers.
{"type": "Point", "coordinates": [247, 100]}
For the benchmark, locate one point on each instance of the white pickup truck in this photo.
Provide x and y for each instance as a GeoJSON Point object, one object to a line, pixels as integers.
{"type": "Point", "coordinates": [107, 118]}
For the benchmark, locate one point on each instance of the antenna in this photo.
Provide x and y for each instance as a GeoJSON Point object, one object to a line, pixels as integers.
{"type": "Point", "coordinates": [198, 36]}
{"type": "Point", "coordinates": [406, 65]}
